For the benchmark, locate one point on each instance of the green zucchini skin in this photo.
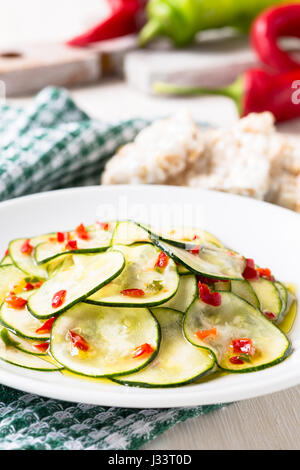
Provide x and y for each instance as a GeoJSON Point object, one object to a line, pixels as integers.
{"type": "Point", "coordinates": [207, 237]}
{"type": "Point", "coordinates": [268, 296]}
{"type": "Point", "coordinates": [67, 306]}
{"type": "Point", "coordinates": [168, 250]}
{"type": "Point", "coordinates": [170, 321]}
{"type": "Point", "coordinates": [244, 290]}
{"type": "Point", "coordinates": [17, 331]}
{"type": "Point", "coordinates": [107, 311]}
{"type": "Point", "coordinates": [20, 358]}
{"type": "Point", "coordinates": [87, 250]}
{"type": "Point", "coordinates": [239, 304]}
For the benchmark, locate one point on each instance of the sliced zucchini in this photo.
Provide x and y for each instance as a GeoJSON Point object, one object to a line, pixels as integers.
{"type": "Point", "coordinates": [128, 232]}
{"type": "Point", "coordinates": [185, 294]}
{"type": "Point", "coordinates": [139, 273]}
{"type": "Point", "coordinates": [244, 290]}
{"type": "Point", "coordinates": [235, 319]}
{"type": "Point", "coordinates": [99, 240]}
{"type": "Point", "coordinates": [283, 292]}
{"type": "Point", "coordinates": [88, 274]}
{"type": "Point", "coordinates": [21, 322]}
{"type": "Point", "coordinates": [9, 353]}
{"type": "Point", "coordinates": [268, 296]}
{"type": "Point", "coordinates": [10, 275]}
{"type": "Point", "coordinates": [26, 345]}
{"type": "Point", "coordinates": [223, 285]}
{"type": "Point", "coordinates": [112, 334]}
{"type": "Point", "coordinates": [180, 236]}
{"type": "Point", "coordinates": [210, 262]}
{"type": "Point", "coordinates": [6, 260]}
{"type": "Point", "coordinates": [24, 261]}
{"type": "Point", "coordinates": [177, 363]}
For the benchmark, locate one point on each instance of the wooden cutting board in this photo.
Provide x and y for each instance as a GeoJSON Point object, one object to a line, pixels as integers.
{"type": "Point", "coordinates": [25, 70]}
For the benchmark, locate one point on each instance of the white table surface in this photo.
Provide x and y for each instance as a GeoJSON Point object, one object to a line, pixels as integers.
{"type": "Point", "coordinates": [270, 422]}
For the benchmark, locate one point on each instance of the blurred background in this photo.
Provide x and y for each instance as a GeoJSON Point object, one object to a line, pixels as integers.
{"type": "Point", "coordinates": [92, 48]}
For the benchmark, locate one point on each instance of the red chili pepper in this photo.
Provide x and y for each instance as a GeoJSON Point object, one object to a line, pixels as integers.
{"type": "Point", "coordinates": [243, 346]}
{"type": "Point", "coordinates": [38, 284]}
{"type": "Point", "coordinates": [254, 92]}
{"type": "Point", "coordinates": [42, 347]}
{"type": "Point", "coordinates": [269, 26]}
{"type": "Point", "coordinates": [266, 273]}
{"type": "Point", "coordinates": [123, 20]}
{"type": "Point", "coordinates": [27, 248]}
{"type": "Point", "coordinates": [205, 280]}
{"type": "Point", "coordinates": [78, 341]}
{"type": "Point", "coordinates": [59, 298]}
{"type": "Point", "coordinates": [270, 315]}
{"type": "Point", "coordinates": [250, 272]}
{"type": "Point", "coordinates": [209, 297]}
{"type": "Point", "coordinates": [6, 252]}
{"type": "Point", "coordinates": [133, 292]}
{"type": "Point", "coordinates": [71, 245]}
{"type": "Point", "coordinates": [82, 232]}
{"type": "Point", "coordinates": [202, 334]}
{"type": "Point", "coordinates": [195, 250]}
{"type": "Point", "coordinates": [143, 349]}
{"type": "Point", "coordinates": [29, 286]}
{"type": "Point", "coordinates": [60, 237]}
{"type": "Point", "coordinates": [16, 302]}
{"type": "Point", "coordinates": [103, 225]}
{"type": "Point", "coordinates": [47, 326]}
{"type": "Point", "coordinates": [34, 285]}
{"type": "Point", "coordinates": [162, 260]}
{"type": "Point", "coordinates": [236, 360]}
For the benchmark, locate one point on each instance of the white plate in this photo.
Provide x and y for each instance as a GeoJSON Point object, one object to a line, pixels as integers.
{"type": "Point", "coordinates": [265, 232]}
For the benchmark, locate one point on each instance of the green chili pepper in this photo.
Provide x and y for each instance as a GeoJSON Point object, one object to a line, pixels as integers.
{"type": "Point", "coordinates": [181, 20]}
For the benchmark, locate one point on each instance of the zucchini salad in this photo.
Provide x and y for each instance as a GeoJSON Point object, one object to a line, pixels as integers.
{"type": "Point", "coordinates": [124, 302]}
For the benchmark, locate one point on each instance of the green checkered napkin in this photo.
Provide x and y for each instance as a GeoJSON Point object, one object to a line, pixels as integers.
{"type": "Point", "coordinates": [53, 144]}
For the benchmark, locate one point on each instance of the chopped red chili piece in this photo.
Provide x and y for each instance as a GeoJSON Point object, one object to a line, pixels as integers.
{"type": "Point", "coordinates": [72, 245]}
{"type": "Point", "coordinates": [266, 273]}
{"type": "Point", "coordinates": [209, 297]}
{"type": "Point", "coordinates": [195, 250]}
{"type": "Point", "coordinates": [60, 237]}
{"type": "Point", "coordinates": [195, 237]}
{"type": "Point", "coordinates": [42, 347]}
{"type": "Point", "coordinates": [78, 341]}
{"type": "Point", "coordinates": [27, 248]}
{"type": "Point", "coordinates": [6, 252]}
{"type": "Point", "coordinates": [202, 334]}
{"type": "Point", "coordinates": [250, 271]}
{"type": "Point", "coordinates": [38, 284]}
{"type": "Point", "coordinates": [162, 260]}
{"type": "Point", "coordinates": [205, 280]}
{"type": "Point", "coordinates": [236, 360]}
{"type": "Point", "coordinates": [143, 349]}
{"type": "Point", "coordinates": [59, 298]}
{"type": "Point", "coordinates": [68, 236]}
{"type": "Point", "coordinates": [29, 286]}
{"type": "Point", "coordinates": [46, 327]}
{"type": "Point", "coordinates": [103, 225]}
{"type": "Point", "coordinates": [16, 302]}
{"type": "Point", "coordinates": [270, 315]}
{"type": "Point", "coordinates": [133, 292]}
{"type": "Point", "coordinates": [243, 346]}
{"type": "Point", "coordinates": [82, 232]}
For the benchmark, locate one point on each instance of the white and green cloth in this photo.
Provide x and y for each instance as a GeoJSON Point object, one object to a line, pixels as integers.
{"type": "Point", "coordinates": [53, 144]}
